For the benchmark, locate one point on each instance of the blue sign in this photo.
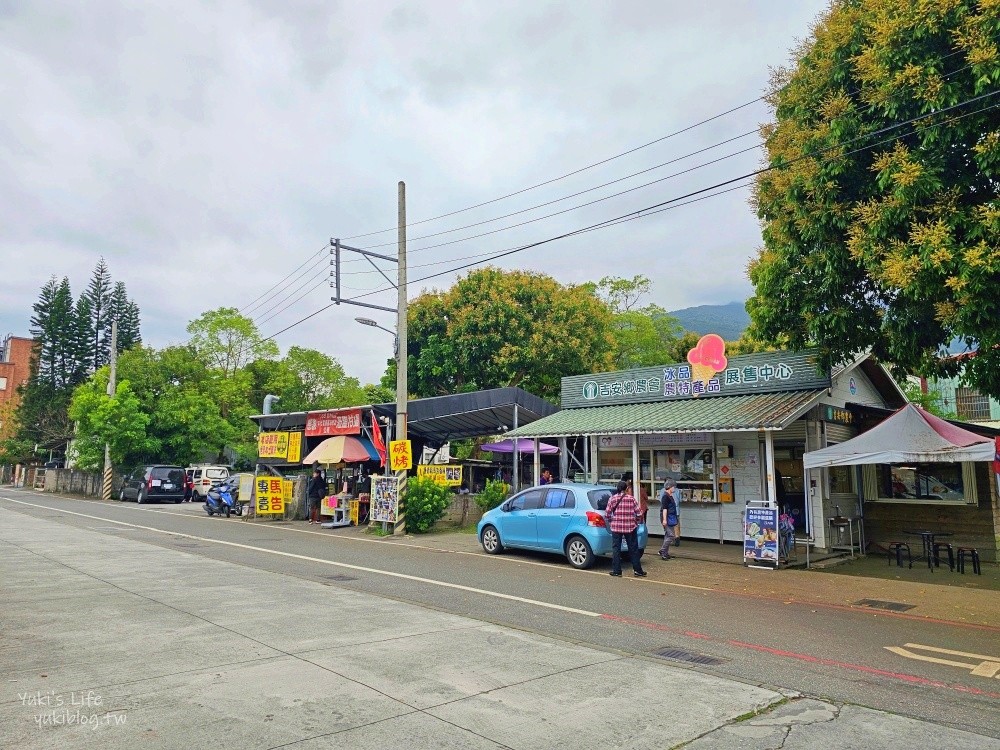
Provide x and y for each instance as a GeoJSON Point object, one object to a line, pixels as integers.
{"type": "Point", "coordinates": [760, 535]}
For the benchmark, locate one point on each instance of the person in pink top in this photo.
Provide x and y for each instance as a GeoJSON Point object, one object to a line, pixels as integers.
{"type": "Point", "coordinates": [623, 516]}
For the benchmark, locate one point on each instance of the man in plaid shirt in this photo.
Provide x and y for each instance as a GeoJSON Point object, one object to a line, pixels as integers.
{"type": "Point", "coordinates": [624, 516]}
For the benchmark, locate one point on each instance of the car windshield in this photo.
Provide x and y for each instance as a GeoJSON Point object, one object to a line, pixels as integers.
{"type": "Point", "coordinates": [599, 499]}
{"type": "Point", "coordinates": [216, 473]}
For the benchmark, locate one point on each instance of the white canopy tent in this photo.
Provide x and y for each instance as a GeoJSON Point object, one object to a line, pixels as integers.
{"type": "Point", "coordinates": [911, 435]}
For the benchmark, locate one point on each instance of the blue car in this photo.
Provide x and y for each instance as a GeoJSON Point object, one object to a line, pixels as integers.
{"type": "Point", "coordinates": [567, 519]}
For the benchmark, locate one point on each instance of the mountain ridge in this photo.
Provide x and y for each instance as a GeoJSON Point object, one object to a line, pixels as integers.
{"type": "Point", "coordinates": [729, 320]}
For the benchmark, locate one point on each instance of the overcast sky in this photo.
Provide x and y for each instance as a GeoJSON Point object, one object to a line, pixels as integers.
{"type": "Point", "coordinates": [207, 150]}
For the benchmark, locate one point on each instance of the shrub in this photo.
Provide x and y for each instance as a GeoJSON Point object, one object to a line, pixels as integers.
{"type": "Point", "coordinates": [426, 502]}
{"type": "Point", "coordinates": [492, 495]}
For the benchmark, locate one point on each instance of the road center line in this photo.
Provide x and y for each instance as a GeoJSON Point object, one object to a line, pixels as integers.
{"type": "Point", "coordinates": [392, 574]}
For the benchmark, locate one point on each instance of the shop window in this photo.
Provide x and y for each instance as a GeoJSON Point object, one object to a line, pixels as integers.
{"type": "Point", "coordinates": [926, 482]}
{"type": "Point", "coordinates": [614, 464]}
{"type": "Point", "coordinates": [691, 468]}
{"type": "Point", "coordinates": [971, 404]}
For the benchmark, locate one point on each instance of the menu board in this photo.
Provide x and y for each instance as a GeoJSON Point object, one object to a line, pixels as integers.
{"type": "Point", "coordinates": [760, 535]}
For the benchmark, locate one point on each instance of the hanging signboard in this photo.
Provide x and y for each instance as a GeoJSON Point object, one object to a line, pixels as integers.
{"type": "Point", "coordinates": [335, 422]}
{"type": "Point", "coordinates": [280, 445]}
{"type": "Point", "coordinates": [272, 444]}
{"type": "Point", "coordinates": [385, 499]}
{"type": "Point", "coordinates": [272, 492]}
{"type": "Point", "coordinates": [760, 535]}
{"type": "Point", "coordinates": [450, 476]}
{"type": "Point", "coordinates": [400, 455]}
{"type": "Point", "coordinates": [294, 447]}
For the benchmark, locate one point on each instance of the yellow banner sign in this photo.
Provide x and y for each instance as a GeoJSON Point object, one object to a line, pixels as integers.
{"type": "Point", "coordinates": [400, 455]}
{"type": "Point", "coordinates": [447, 475]}
{"type": "Point", "coordinates": [286, 445]}
{"type": "Point", "coordinates": [294, 447]}
{"type": "Point", "coordinates": [272, 493]}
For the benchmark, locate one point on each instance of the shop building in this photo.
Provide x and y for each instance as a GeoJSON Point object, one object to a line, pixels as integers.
{"type": "Point", "coordinates": [731, 431]}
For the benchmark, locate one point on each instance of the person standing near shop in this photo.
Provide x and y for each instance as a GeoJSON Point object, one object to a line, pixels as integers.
{"type": "Point", "coordinates": [317, 491]}
{"type": "Point", "coordinates": [668, 517]}
{"type": "Point", "coordinates": [643, 496]}
{"type": "Point", "coordinates": [623, 518]}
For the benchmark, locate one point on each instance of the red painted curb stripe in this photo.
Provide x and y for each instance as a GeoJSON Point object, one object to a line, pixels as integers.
{"type": "Point", "coordinates": [902, 676]}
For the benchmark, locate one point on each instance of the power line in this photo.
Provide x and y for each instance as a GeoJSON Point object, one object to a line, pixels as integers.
{"type": "Point", "coordinates": [665, 205]}
{"type": "Point", "coordinates": [254, 300]}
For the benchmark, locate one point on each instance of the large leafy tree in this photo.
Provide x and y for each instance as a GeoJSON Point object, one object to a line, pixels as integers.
{"type": "Point", "coordinates": [643, 335]}
{"type": "Point", "coordinates": [497, 328]}
{"type": "Point", "coordinates": [892, 246]}
{"type": "Point", "coordinates": [116, 421]}
{"type": "Point", "coordinates": [228, 341]}
{"type": "Point", "coordinates": [305, 379]}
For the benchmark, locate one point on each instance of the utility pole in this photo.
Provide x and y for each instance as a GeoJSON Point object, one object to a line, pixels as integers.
{"type": "Point", "coordinates": [402, 391]}
{"type": "Point", "coordinates": [106, 486]}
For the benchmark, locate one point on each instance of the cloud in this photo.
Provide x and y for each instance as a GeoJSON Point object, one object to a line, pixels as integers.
{"type": "Point", "coordinates": [206, 150]}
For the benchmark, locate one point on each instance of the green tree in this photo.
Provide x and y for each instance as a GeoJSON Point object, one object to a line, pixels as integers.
{"type": "Point", "coordinates": [644, 336]}
{"type": "Point", "coordinates": [98, 297]}
{"type": "Point", "coordinates": [497, 328]}
{"type": "Point", "coordinates": [126, 313]}
{"type": "Point", "coordinates": [227, 341]}
{"type": "Point", "coordinates": [118, 421]}
{"type": "Point", "coordinates": [893, 248]}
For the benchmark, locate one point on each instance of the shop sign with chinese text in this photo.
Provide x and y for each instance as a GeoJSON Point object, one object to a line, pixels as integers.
{"type": "Point", "coordinates": [335, 422]}
{"type": "Point", "coordinates": [285, 445]}
{"type": "Point", "coordinates": [450, 476]}
{"type": "Point", "coordinates": [272, 494]}
{"type": "Point", "coordinates": [400, 455]}
{"type": "Point", "coordinates": [765, 372]}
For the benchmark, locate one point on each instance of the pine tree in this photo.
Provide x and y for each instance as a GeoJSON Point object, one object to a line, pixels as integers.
{"type": "Point", "coordinates": [44, 362]}
{"type": "Point", "coordinates": [63, 326]}
{"type": "Point", "coordinates": [82, 338]}
{"type": "Point", "coordinates": [99, 293]}
{"type": "Point", "coordinates": [128, 327]}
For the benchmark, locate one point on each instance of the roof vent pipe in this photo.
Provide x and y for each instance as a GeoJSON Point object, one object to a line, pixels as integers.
{"type": "Point", "coordinates": [269, 402]}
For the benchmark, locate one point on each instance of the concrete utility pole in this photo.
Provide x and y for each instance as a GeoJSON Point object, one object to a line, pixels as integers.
{"type": "Point", "coordinates": [106, 485]}
{"type": "Point", "coordinates": [402, 390]}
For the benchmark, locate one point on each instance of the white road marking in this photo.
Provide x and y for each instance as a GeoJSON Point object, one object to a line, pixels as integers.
{"type": "Point", "coordinates": [307, 558]}
{"type": "Point", "coordinates": [987, 666]}
{"type": "Point", "coordinates": [498, 558]}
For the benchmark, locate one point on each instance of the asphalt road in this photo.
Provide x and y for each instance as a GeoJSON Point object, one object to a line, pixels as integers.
{"type": "Point", "coordinates": [833, 653]}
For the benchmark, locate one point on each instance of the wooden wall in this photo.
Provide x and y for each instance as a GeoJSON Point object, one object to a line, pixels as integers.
{"type": "Point", "coordinates": [972, 525]}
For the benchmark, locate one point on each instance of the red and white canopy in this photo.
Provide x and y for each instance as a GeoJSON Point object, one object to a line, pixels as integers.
{"type": "Point", "coordinates": [911, 435]}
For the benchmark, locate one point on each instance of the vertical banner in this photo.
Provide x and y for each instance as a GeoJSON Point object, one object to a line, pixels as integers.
{"type": "Point", "coordinates": [294, 447]}
{"type": "Point", "coordinates": [385, 499]}
{"type": "Point", "coordinates": [246, 488]}
{"type": "Point", "coordinates": [760, 535]}
{"type": "Point", "coordinates": [400, 455]}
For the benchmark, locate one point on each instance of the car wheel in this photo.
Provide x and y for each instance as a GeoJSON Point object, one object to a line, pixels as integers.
{"type": "Point", "coordinates": [138, 497]}
{"type": "Point", "coordinates": [579, 553]}
{"type": "Point", "coordinates": [491, 541]}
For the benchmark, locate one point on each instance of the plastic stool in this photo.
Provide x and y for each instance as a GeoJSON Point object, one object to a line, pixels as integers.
{"type": "Point", "coordinates": [938, 546]}
{"type": "Point", "coordinates": [973, 555]}
{"type": "Point", "coordinates": [898, 548]}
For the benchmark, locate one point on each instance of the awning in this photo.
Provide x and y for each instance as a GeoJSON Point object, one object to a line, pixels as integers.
{"type": "Point", "coordinates": [764, 411]}
{"type": "Point", "coordinates": [343, 449]}
{"type": "Point", "coordinates": [911, 435]}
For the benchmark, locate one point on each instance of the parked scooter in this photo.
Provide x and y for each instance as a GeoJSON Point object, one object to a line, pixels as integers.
{"type": "Point", "coordinates": [221, 499]}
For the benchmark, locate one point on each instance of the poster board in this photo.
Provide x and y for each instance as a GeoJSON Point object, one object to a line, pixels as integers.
{"type": "Point", "coordinates": [760, 536]}
{"type": "Point", "coordinates": [450, 476]}
{"type": "Point", "coordinates": [385, 499]}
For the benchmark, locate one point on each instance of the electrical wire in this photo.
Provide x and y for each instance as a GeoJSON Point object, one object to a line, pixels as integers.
{"type": "Point", "coordinates": [650, 210]}
{"type": "Point", "coordinates": [254, 300]}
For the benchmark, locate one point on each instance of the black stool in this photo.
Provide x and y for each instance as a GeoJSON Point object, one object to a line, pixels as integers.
{"type": "Point", "coordinates": [898, 548]}
{"type": "Point", "coordinates": [938, 546]}
{"type": "Point", "coordinates": [973, 555]}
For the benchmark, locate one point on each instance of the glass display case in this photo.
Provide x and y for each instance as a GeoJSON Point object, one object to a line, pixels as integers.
{"type": "Point", "coordinates": [691, 468]}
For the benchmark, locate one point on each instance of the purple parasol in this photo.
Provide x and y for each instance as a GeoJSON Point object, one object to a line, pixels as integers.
{"type": "Point", "coordinates": [524, 445]}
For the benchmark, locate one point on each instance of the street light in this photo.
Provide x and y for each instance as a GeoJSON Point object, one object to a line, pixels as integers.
{"type": "Point", "coordinates": [374, 324]}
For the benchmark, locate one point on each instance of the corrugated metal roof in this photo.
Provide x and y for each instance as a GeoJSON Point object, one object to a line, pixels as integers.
{"type": "Point", "coordinates": [765, 411]}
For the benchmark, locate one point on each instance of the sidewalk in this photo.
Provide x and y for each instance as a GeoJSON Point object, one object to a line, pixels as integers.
{"type": "Point", "coordinates": [121, 644]}
{"type": "Point", "coordinates": [929, 600]}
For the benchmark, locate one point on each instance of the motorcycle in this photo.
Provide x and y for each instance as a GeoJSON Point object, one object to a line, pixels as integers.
{"type": "Point", "coordinates": [222, 498]}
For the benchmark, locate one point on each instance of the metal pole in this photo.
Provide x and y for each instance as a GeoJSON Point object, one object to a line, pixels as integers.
{"type": "Point", "coordinates": [401, 385]}
{"type": "Point", "coordinates": [106, 486]}
{"type": "Point", "coordinates": [516, 475]}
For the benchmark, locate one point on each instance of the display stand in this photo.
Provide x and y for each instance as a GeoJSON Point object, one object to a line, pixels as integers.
{"type": "Point", "coordinates": [336, 506]}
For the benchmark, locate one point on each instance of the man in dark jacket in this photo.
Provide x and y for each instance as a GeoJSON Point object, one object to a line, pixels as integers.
{"type": "Point", "coordinates": [316, 492]}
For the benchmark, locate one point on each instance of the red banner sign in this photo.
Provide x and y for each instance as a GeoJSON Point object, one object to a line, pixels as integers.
{"type": "Point", "coordinates": [337, 422]}
{"type": "Point", "coordinates": [996, 457]}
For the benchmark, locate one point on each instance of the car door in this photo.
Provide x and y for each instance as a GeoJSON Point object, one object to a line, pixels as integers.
{"type": "Point", "coordinates": [519, 517]}
{"type": "Point", "coordinates": [554, 517]}
{"type": "Point", "coordinates": [130, 484]}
